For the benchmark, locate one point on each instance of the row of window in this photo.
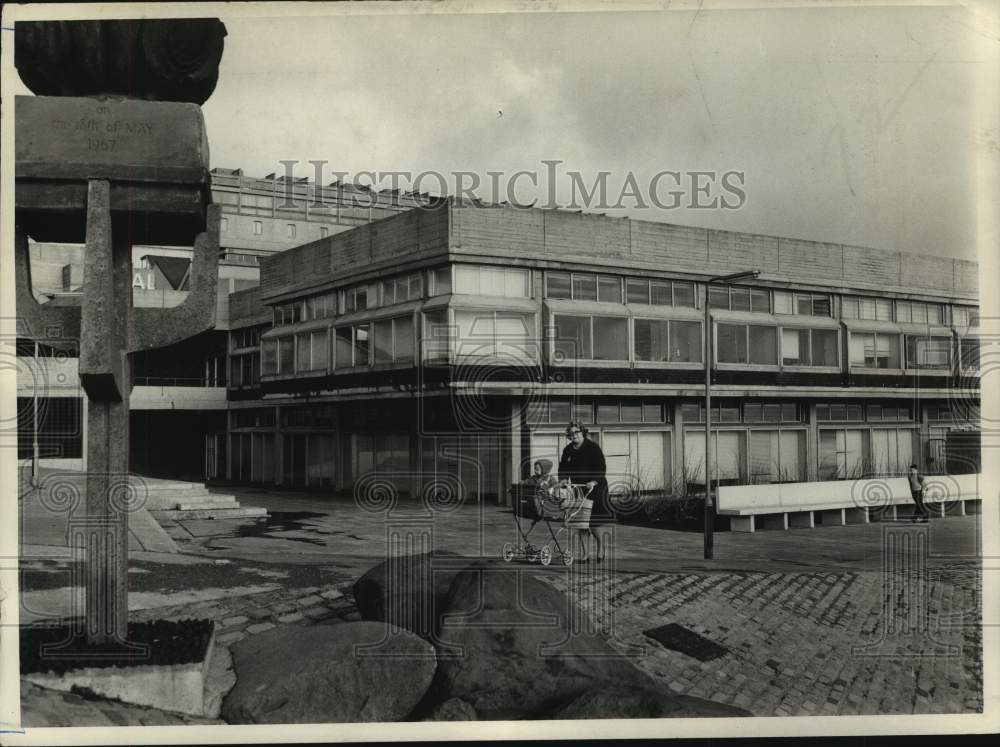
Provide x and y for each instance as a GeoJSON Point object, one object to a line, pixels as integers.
{"type": "Point", "coordinates": [247, 337]}
{"type": "Point", "coordinates": [257, 227]}
{"type": "Point", "coordinates": [512, 282]}
{"type": "Point", "coordinates": [846, 412]}
{"type": "Point", "coordinates": [561, 411]}
{"type": "Point", "coordinates": [510, 336]}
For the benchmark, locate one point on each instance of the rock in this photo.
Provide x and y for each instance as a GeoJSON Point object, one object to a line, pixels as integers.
{"type": "Point", "coordinates": [408, 591]}
{"type": "Point", "coordinates": [519, 658]}
{"type": "Point", "coordinates": [642, 703]}
{"type": "Point", "coordinates": [453, 709]}
{"type": "Point", "coordinates": [299, 674]}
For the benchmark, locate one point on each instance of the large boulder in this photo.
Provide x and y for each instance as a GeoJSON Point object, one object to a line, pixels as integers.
{"type": "Point", "coordinates": [315, 674]}
{"type": "Point", "coordinates": [518, 648]}
{"type": "Point", "coordinates": [642, 703]}
{"type": "Point", "coordinates": [409, 591]}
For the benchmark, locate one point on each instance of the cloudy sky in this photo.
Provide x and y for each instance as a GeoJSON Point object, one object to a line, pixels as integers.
{"type": "Point", "coordinates": [851, 125]}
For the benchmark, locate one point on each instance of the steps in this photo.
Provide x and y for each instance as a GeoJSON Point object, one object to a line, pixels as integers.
{"type": "Point", "coordinates": [180, 501]}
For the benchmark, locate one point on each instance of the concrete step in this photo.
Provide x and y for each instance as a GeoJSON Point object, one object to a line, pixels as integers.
{"type": "Point", "coordinates": [173, 498]}
{"type": "Point", "coordinates": [224, 502]}
{"type": "Point", "coordinates": [243, 512]}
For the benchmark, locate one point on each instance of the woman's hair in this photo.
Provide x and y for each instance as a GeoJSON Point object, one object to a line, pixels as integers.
{"type": "Point", "coordinates": [576, 425]}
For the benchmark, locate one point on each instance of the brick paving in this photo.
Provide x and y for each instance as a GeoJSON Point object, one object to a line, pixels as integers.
{"type": "Point", "coordinates": [803, 614]}
{"type": "Point", "coordinates": [802, 643]}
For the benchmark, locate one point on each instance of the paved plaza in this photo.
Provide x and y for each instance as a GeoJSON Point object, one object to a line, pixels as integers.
{"type": "Point", "coordinates": [808, 620]}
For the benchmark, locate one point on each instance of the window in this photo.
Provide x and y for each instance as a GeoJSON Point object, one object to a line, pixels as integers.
{"type": "Point", "coordinates": [728, 456]}
{"type": "Point", "coordinates": [436, 334]}
{"type": "Point", "coordinates": [636, 290]}
{"type": "Point", "coordinates": [610, 338]}
{"type": "Point", "coordinates": [591, 338]}
{"type": "Point", "coordinates": [763, 345]}
{"type": "Point", "coordinates": [742, 343]}
{"type": "Point", "coordinates": [321, 307]}
{"type": "Point", "coordinates": [352, 346]}
{"type": "Point", "coordinates": [584, 287]}
{"type": "Point", "coordinates": [968, 353]}
{"type": "Point", "coordinates": [269, 357]}
{"type": "Point", "coordinates": [441, 281]}
{"type": "Point", "coordinates": [359, 298]}
{"type": "Point", "coordinates": [805, 304]}
{"type": "Point", "coordinates": [501, 337]}
{"type": "Point", "coordinates": [224, 225]}
{"type": "Point", "coordinates": [683, 294]}
{"type": "Point", "coordinates": [661, 340]}
{"type": "Point", "coordinates": [771, 412]}
{"type": "Point", "coordinates": [609, 289]}
{"type": "Point", "coordinates": [320, 349]}
{"type": "Point", "coordinates": [964, 317]}
{"type": "Point", "coordinates": [393, 340]}
{"type": "Point", "coordinates": [928, 352]}
{"type": "Point", "coordinates": [290, 230]}
{"type": "Point", "coordinates": [258, 228]}
{"type": "Point", "coordinates": [841, 454]}
{"type": "Point", "coordinates": [324, 232]}
{"type": "Point", "coordinates": [888, 413]}
{"type": "Point", "coordinates": [867, 307]}
{"type": "Point", "coordinates": [303, 360]}
{"type": "Point", "coordinates": [572, 337]}
{"type": "Point", "coordinates": [776, 456]}
{"type": "Point", "coordinates": [402, 289]}
{"type": "Point", "coordinates": [288, 313]}
{"type": "Point", "coordinates": [809, 347]}
{"type": "Point", "coordinates": [286, 355]}
{"type": "Point", "coordinates": [660, 293]}
{"type": "Point", "coordinates": [874, 350]}
{"type": "Point", "coordinates": [760, 301]}
{"type": "Point", "coordinates": [731, 343]}
{"type": "Point", "coordinates": [839, 412]}
{"type": "Point", "coordinates": [782, 302]}
{"type": "Point", "coordinates": [479, 280]}
{"type": "Point", "coordinates": [558, 285]}
{"type": "Point", "coordinates": [740, 298]}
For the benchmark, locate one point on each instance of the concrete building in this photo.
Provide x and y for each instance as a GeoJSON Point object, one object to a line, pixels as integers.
{"type": "Point", "coordinates": [179, 397]}
{"type": "Point", "coordinates": [444, 349]}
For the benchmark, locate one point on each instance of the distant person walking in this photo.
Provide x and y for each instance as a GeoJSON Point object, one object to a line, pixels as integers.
{"type": "Point", "coordinates": [582, 462]}
{"type": "Point", "coordinates": [917, 492]}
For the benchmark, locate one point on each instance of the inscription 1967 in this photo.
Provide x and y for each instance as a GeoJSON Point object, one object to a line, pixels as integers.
{"type": "Point", "coordinates": [103, 134]}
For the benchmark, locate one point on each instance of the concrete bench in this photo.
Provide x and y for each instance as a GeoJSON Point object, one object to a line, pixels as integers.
{"type": "Point", "coordinates": [840, 502]}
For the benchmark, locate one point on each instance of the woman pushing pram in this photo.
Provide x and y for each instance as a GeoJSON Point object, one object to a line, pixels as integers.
{"type": "Point", "coordinates": [543, 498]}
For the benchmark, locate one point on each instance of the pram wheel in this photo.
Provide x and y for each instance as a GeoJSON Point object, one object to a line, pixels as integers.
{"type": "Point", "coordinates": [545, 555]}
{"type": "Point", "coordinates": [508, 552]}
{"type": "Point", "coordinates": [567, 558]}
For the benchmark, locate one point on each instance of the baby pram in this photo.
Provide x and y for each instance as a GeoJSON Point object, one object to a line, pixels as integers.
{"type": "Point", "coordinates": [570, 506]}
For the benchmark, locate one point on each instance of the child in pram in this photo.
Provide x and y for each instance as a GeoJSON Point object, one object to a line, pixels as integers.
{"type": "Point", "coordinates": [543, 498]}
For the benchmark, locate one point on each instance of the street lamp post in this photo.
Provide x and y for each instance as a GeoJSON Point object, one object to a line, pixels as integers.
{"type": "Point", "coordinates": [709, 519]}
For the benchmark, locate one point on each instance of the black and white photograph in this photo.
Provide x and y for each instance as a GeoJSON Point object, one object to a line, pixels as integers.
{"type": "Point", "coordinates": [465, 370]}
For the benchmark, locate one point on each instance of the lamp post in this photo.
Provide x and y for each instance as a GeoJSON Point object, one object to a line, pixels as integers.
{"type": "Point", "coordinates": [709, 522]}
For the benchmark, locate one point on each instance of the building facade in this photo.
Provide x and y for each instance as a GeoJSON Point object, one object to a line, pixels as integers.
{"type": "Point", "coordinates": [178, 401]}
{"type": "Point", "coordinates": [442, 350]}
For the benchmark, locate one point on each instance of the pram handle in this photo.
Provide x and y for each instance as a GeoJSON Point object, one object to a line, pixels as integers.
{"type": "Point", "coordinates": [581, 485]}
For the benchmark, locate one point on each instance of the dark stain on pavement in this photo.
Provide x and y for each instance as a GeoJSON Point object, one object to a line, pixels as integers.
{"type": "Point", "coordinates": [288, 521]}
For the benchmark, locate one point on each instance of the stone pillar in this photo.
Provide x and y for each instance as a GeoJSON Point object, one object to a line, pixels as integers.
{"type": "Point", "coordinates": [105, 377]}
